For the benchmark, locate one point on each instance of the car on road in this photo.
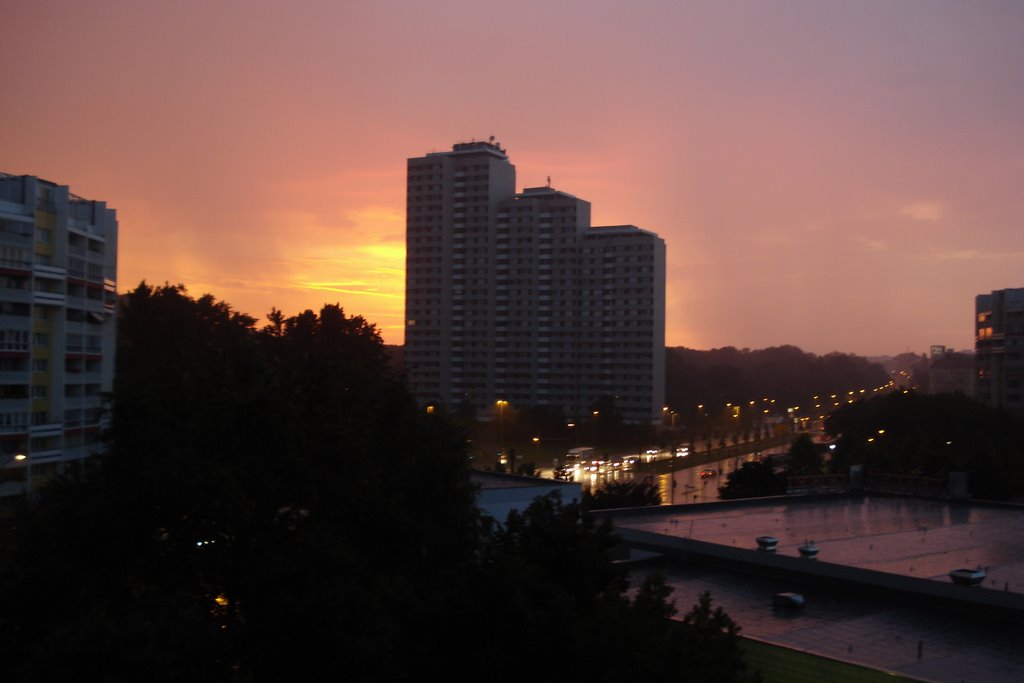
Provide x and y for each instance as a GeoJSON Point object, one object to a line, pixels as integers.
{"type": "Point", "coordinates": [565, 473]}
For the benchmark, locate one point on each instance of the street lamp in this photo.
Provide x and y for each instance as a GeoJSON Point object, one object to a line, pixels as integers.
{"type": "Point", "coordinates": [501, 403]}
{"type": "Point", "coordinates": [21, 457]}
{"type": "Point", "coordinates": [28, 473]}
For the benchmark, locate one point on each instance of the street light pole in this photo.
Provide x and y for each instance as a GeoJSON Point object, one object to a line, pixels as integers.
{"type": "Point", "coordinates": [28, 474]}
{"type": "Point", "coordinates": [21, 457]}
{"type": "Point", "coordinates": [501, 403]}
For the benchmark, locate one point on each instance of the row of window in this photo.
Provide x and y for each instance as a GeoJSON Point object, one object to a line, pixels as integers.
{"type": "Point", "coordinates": [17, 421]}
{"type": "Point", "coordinates": [18, 340]}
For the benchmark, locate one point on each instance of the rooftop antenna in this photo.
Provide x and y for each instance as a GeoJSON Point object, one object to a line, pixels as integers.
{"type": "Point", "coordinates": [549, 181]}
{"type": "Point", "coordinates": [492, 138]}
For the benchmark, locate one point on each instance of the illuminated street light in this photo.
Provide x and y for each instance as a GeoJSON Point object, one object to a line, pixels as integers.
{"type": "Point", "coordinates": [21, 457]}
{"type": "Point", "coordinates": [501, 403]}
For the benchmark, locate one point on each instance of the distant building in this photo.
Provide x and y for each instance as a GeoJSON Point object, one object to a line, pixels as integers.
{"type": "Point", "coordinates": [950, 372]}
{"type": "Point", "coordinates": [999, 349]}
{"type": "Point", "coordinates": [514, 299]}
{"type": "Point", "coordinates": [58, 271]}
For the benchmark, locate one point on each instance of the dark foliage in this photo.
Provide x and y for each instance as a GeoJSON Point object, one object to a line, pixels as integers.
{"type": "Point", "coordinates": [266, 499]}
{"type": "Point", "coordinates": [622, 494]}
{"type": "Point", "coordinates": [752, 480]}
{"type": "Point", "coordinates": [566, 612]}
{"type": "Point", "coordinates": [274, 507]}
{"type": "Point", "coordinates": [924, 435]}
{"type": "Point", "coordinates": [784, 372]}
{"type": "Point", "coordinates": [712, 637]}
{"type": "Point", "coordinates": [804, 457]}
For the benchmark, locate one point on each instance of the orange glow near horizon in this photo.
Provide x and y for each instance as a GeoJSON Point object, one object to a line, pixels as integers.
{"type": "Point", "coordinates": [819, 180]}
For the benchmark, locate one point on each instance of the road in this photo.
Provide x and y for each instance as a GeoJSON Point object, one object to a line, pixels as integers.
{"type": "Point", "coordinates": [680, 480]}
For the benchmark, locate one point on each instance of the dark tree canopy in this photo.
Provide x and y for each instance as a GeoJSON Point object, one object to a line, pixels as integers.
{"type": "Point", "coordinates": [931, 435]}
{"type": "Point", "coordinates": [567, 612]}
{"type": "Point", "coordinates": [268, 496]}
{"type": "Point", "coordinates": [785, 373]}
{"type": "Point", "coordinates": [273, 506]}
{"type": "Point", "coordinates": [752, 480]}
{"type": "Point", "coordinates": [804, 456]}
{"type": "Point", "coordinates": [623, 494]}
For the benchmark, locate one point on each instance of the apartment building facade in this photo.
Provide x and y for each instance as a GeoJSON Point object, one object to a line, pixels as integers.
{"type": "Point", "coordinates": [58, 282]}
{"type": "Point", "coordinates": [514, 297]}
{"type": "Point", "coordinates": [999, 348]}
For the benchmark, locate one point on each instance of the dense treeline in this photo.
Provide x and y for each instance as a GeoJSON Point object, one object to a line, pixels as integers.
{"type": "Point", "coordinates": [906, 435]}
{"type": "Point", "coordinates": [930, 435]}
{"type": "Point", "coordinates": [272, 506]}
{"type": "Point", "coordinates": [784, 373]}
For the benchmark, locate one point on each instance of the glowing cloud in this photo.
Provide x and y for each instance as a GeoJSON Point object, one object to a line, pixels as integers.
{"type": "Point", "coordinates": [873, 245]}
{"type": "Point", "coordinates": [923, 211]}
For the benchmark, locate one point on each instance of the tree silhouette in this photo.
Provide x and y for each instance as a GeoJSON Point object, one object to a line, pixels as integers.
{"type": "Point", "coordinates": [919, 434]}
{"type": "Point", "coordinates": [753, 479]}
{"type": "Point", "coordinates": [804, 457]}
{"type": "Point", "coordinates": [273, 504]}
{"type": "Point", "coordinates": [620, 494]}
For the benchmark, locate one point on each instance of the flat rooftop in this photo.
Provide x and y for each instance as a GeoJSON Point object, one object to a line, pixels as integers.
{"type": "Point", "coordinates": [904, 536]}
{"type": "Point", "coordinates": [901, 537]}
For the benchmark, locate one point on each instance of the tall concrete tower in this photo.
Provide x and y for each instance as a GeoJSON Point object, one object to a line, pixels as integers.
{"type": "Point", "coordinates": [516, 298]}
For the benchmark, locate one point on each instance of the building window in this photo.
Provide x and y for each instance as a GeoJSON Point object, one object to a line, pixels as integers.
{"type": "Point", "coordinates": [14, 340]}
{"type": "Point", "coordinates": [13, 422]}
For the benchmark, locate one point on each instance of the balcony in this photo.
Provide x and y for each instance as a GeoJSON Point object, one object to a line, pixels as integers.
{"type": "Point", "coordinates": [48, 429]}
{"type": "Point", "coordinates": [49, 271]}
{"type": "Point", "coordinates": [49, 298]}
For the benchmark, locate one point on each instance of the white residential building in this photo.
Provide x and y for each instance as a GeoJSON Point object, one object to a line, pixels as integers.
{"type": "Point", "coordinates": [58, 279]}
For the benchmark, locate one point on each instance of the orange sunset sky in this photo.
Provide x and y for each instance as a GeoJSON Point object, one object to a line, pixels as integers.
{"type": "Point", "coordinates": [841, 176]}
